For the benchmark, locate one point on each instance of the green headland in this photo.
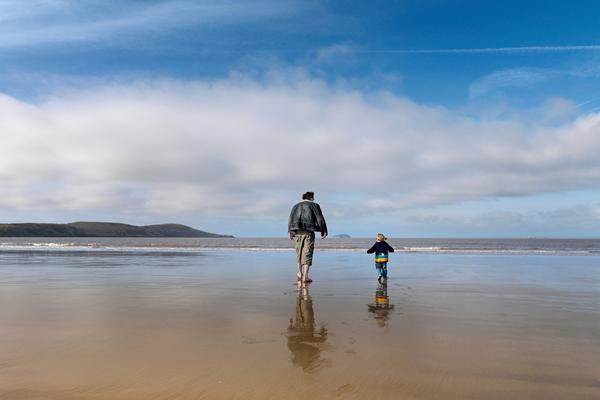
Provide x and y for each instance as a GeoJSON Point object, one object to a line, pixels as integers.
{"type": "Point", "coordinates": [103, 229]}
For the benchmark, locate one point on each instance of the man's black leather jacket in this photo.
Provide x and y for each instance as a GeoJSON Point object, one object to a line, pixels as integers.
{"type": "Point", "coordinates": [307, 216]}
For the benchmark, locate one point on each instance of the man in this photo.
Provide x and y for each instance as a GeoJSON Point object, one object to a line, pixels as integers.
{"type": "Point", "coordinates": [306, 218]}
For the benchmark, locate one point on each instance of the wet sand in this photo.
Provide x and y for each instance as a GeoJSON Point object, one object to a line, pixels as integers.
{"type": "Point", "coordinates": [235, 326]}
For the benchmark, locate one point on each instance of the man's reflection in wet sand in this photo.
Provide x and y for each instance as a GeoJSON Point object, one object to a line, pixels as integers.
{"type": "Point", "coordinates": [382, 307]}
{"type": "Point", "coordinates": [305, 341]}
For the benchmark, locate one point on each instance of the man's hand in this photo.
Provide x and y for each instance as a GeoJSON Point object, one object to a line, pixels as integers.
{"type": "Point", "coordinates": [291, 235]}
{"type": "Point", "coordinates": [323, 235]}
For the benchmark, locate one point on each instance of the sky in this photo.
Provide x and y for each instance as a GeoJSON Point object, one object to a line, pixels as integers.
{"type": "Point", "coordinates": [416, 118]}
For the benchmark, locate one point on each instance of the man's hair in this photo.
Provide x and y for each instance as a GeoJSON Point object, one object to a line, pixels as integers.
{"type": "Point", "coordinates": [308, 196]}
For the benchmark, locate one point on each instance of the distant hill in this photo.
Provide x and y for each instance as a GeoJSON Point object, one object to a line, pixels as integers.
{"type": "Point", "coordinates": [342, 236]}
{"type": "Point", "coordinates": [102, 229]}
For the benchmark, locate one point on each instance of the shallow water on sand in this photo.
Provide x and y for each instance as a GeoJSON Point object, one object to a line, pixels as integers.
{"type": "Point", "coordinates": [233, 325]}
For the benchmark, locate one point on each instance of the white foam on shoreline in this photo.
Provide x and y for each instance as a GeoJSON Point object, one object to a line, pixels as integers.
{"type": "Point", "coordinates": [97, 247]}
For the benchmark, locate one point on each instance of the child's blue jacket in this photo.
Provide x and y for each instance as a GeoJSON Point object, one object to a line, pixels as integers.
{"type": "Point", "coordinates": [381, 248]}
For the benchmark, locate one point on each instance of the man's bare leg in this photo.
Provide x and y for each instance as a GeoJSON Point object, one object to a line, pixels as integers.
{"type": "Point", "coordinates": [305, 269]}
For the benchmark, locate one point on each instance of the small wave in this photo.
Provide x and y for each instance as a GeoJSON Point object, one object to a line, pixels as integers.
{"type": "Point", "coordinates": [155, 248]}
{"type": "Point", "coordinates": [59, 245]}
{"type": "Point", "coordinates": [416, 246]}
{"type": "Point", "coordinates": [422, 249]}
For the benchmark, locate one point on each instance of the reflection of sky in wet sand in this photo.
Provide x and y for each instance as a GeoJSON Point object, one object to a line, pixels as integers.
{"type": "Point", "coordinates": [216, 326]}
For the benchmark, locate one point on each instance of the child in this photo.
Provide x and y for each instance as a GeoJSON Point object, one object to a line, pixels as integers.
{"type": "Point", "coordinates": [381, 249]}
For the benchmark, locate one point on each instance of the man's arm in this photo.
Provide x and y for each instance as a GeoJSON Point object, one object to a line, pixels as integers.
{"type": "Point", "coordinates": [321, 220]}
{"type": "Point", "coordinates": [291, 233]}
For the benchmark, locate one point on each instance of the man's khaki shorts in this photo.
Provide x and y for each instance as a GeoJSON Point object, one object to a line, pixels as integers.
{"type": "Point", "coordinates": [305, 246]}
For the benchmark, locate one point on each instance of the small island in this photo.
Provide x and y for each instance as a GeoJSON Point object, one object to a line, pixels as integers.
{"type": "Point", "coordinates": [103, 229]}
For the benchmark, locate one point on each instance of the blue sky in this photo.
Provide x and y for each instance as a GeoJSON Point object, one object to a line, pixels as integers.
{"type": "Point", "coordinates": [417, 118]}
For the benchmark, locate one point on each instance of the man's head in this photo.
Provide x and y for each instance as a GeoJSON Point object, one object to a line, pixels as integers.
{"type": "Point", "coordinates": [308, 196]}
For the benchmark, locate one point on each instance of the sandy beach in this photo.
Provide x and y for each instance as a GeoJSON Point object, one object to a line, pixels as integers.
{"type": "Point", "coordinates": [233, 325]}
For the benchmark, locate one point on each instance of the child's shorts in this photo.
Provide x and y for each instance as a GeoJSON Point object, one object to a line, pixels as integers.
{"type": "Point", "coordinates": [381, 265]}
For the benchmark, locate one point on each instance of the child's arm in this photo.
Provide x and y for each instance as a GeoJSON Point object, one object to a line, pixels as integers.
{"type": "Point", "coordinates": [389, 248]}
{"type": "Point", "coordinates": [371, 250]}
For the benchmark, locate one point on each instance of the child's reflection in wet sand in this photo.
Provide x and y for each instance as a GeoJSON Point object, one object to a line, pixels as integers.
{"type": "Point", "coordinates": [305, 341]}
{"type": "Point", "coordinates": [382, 307]}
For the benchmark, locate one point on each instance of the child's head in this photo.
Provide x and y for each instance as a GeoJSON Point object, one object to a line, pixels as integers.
{"type": "Point", "coordinates": [380, 237]}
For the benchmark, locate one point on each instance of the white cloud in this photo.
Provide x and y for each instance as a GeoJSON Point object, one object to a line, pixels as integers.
{"type": "Point", "coordinates": [572, 221]}
{"type": "Point", "coordinates": [501, 50]}
{"type": "Point", "coordinates": [525, 78]}
{"type": "Point", "coordinates": [335, 52]}
{"type": "Point", "coordinates": [517, 78]}
{"type": "Point", "coordinates": [44, 22]}
{"type": "Point", "coordinates": [558, 109]}
{"type": "Point", "coordinates": [239, 146]}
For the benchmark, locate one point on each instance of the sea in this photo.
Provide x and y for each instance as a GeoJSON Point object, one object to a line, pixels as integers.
{"type": "Point", "coordinates": [202, 245]}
